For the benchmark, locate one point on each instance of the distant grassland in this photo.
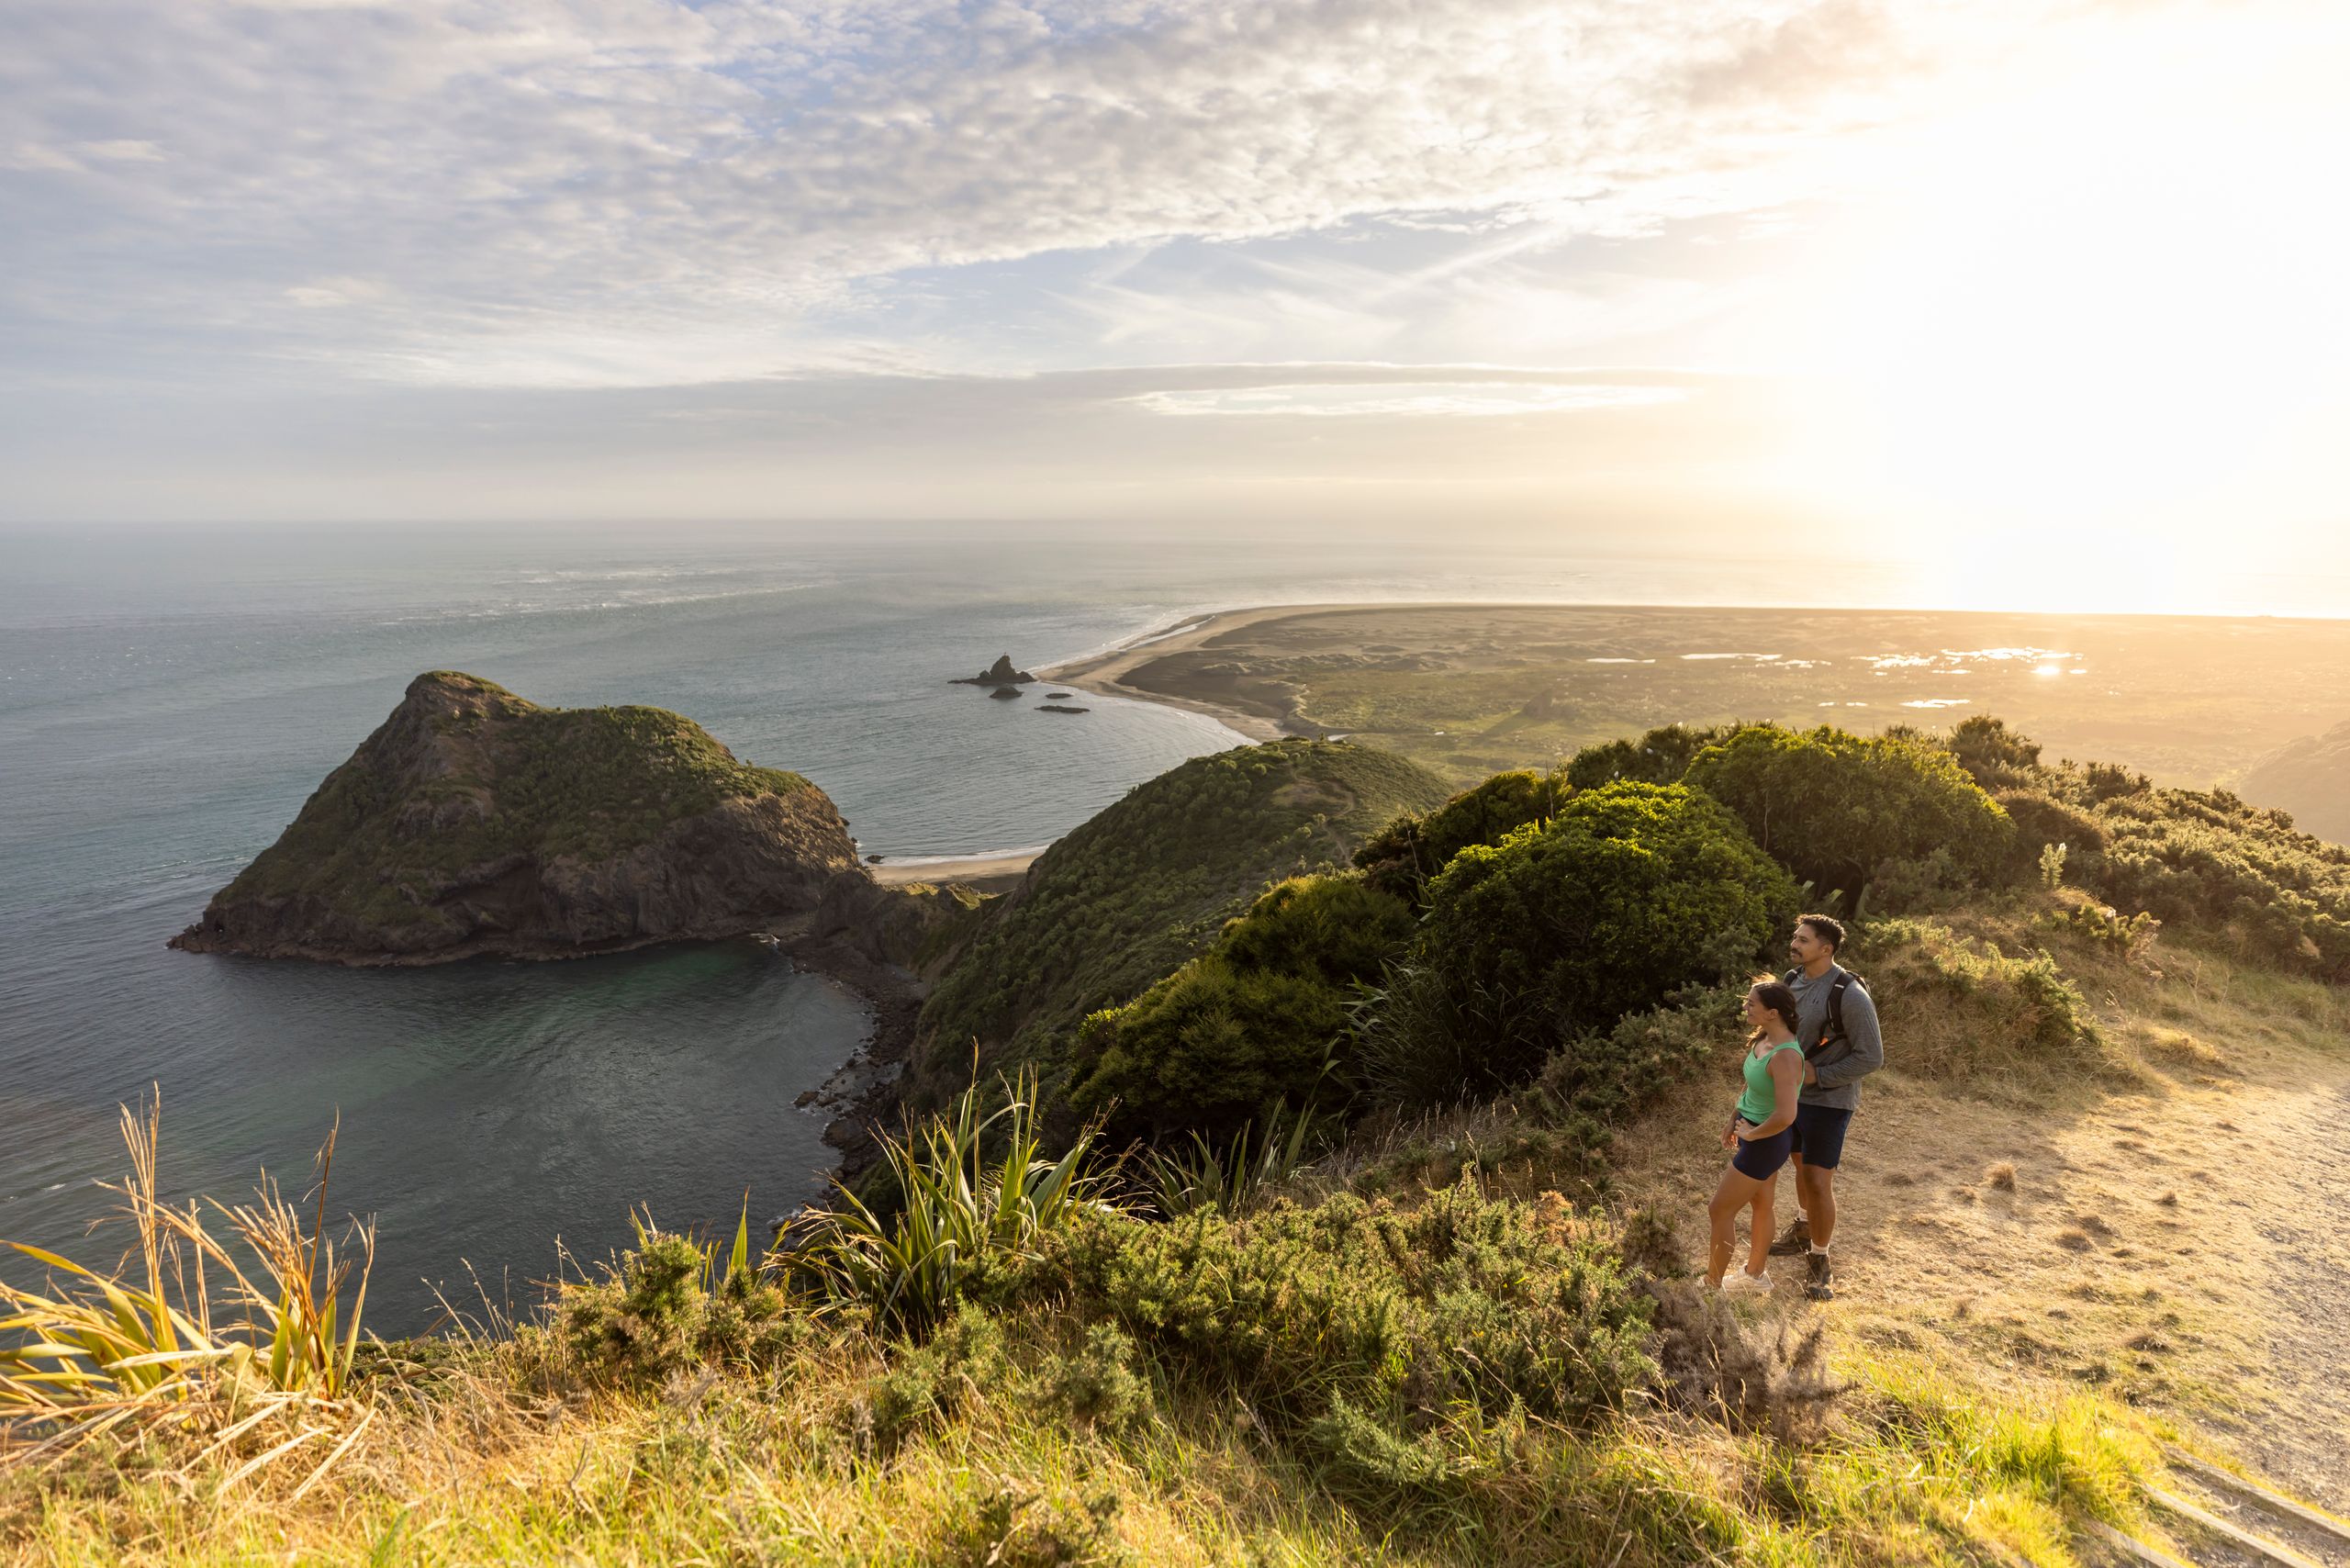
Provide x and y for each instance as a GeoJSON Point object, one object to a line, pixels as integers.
{"type": "Point", "coordinates": [1468, 690]}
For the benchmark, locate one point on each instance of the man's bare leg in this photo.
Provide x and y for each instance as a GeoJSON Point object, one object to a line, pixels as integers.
{"type": "Point", "coordinates": [1798, 1237]}
{"type": "Point", "coordinates": [1816, 1189]}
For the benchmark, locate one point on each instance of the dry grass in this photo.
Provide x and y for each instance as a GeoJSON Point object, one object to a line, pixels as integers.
{"type": "Point", "coordinates": [245, 1359]}
{"type": "Point", "coordinates": [463, 1464]}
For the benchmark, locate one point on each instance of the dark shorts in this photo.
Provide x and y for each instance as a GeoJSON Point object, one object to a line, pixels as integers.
{"type": "Point", "coordinates": [1762, 1156]}
{"type": "Point", "coordinates": [1820, 1133]}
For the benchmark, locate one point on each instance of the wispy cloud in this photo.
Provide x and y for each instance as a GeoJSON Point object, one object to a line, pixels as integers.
{"type": "Point", "coordinates": [519, 174]}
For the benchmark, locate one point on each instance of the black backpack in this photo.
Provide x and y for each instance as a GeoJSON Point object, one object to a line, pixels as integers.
{"type": "Point", "coordinates": [1845, 980]}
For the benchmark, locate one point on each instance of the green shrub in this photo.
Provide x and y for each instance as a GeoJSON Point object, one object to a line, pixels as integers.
{"type": "Point", "coordinates": [999, 1524]}
{"type": "Point", "coordinates": [1367, 1457]}
{"type": "Point", "coordinates": [1256, 1022]}
{"type": "Point", "coordinates": [2103, 924]}
{"type": "Point", "coordinates": [1994, 755]}
{"type": "Point", "coordinates": [658, 1313]}
{"type": "Point", "coordinates": [1399, 1313]}
{"type": "Point", "coordinates": [1833, 807]}
{"type": "Point", "coordinates": [1208, 1048]}
{"type": "Point", "coordinates": [1661, 757]}
{"type": "Point", "coordinates": [921, 1384]}
{"type": "Point", "coordinates": [2043, 819]}
{"type": "Point", "coordinates": [1099, 1384]}
{"type": "Point", "coordinates": [1334, 928]}
{"type": "Point", "coordinates": [1631, 892]}
{"type": "Point", "coordinates": [1403, 856]}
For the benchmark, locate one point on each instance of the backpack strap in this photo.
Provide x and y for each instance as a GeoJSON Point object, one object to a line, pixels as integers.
{"type": "Point", "coordinates": [1845, 979]}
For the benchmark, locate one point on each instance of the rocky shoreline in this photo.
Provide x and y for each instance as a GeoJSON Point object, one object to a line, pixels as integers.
{"type": "Point", "coordinates": [861, 1095]}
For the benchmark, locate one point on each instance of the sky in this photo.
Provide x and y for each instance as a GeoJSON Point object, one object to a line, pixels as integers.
{"type": "Point", "coordinates": [2016, 283]}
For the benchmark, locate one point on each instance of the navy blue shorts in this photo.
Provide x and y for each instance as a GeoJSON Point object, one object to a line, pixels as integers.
{"type": "Point", "coordinates": [1820, 1133]}
{"type": "Point", "coordinates": [1762, 1156]}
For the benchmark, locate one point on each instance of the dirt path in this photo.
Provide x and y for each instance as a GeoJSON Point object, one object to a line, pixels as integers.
{"type": "Point", "coordinates": [2303, 1215]}
{"type": "Point", "coordinates": [2184, 1247]}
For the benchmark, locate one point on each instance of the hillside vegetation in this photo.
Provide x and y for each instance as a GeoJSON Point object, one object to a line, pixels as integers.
{"type": "Point", "coordinates": [1146, 883]}
{"type": "Point", "coordinates": [1399, 1273]}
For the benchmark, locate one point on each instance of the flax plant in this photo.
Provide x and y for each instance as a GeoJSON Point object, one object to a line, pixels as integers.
{"type": "Point", "coordinates": [181, 1334]}
{"type": "Point", "coordinates": [1230, 1179]}
{"type": "Point", "coordinates": [962, 1210]}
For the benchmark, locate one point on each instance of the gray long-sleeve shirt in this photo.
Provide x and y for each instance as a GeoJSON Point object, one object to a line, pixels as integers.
{"type": "Point", "coordinates": [1842, 1063]}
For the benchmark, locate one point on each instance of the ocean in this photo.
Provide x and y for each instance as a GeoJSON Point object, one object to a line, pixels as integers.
{"type": "Point", "coordinates": [168, 698]}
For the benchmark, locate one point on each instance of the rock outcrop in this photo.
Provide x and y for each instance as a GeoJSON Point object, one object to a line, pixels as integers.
{"type": "Point", "coordinates": [1000, 673]}
{"type": "Point", "coordinates": [473, 822]}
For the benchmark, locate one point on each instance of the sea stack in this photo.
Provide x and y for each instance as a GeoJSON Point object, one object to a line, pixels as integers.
{"type": "Point", "coordinates": [474, 822]}
{"type": "Point", "coordinates": [1000, 673]}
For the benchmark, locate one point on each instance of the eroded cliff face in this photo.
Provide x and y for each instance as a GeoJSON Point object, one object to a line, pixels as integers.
{"type": "Point", "coordinates": [473, 822]}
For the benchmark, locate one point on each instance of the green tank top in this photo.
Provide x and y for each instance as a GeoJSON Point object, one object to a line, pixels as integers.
{"type": "Point", "coordinates": [1761, 1096]}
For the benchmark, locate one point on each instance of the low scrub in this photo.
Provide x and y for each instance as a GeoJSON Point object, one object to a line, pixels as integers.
{"type": "Point", "coordinates": [2197, 861]}
{"type": "Point", "coordinates": [1326, 1317]}
{"type": "Point", "coordinates": [1960, 1007]}
{"type": "Point", "coordinates": [1257, 1020]}
{"type": "Point", "coordinates": [1595, 1083]}
{"type": "Point", "coordinates": [673, 1303]}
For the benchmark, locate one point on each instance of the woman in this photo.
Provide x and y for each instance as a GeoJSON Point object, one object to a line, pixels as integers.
{"type": "Point", "coordinates": [1762, 1131]}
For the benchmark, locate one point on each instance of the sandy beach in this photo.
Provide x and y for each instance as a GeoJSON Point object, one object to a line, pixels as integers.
{"type": "Point", "coordinates": [988, 873]}
{"type": "Point", "coordinates": [1104, 674]}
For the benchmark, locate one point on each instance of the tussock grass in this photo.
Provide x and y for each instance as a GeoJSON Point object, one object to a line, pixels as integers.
{"type": "Point", "coordinates": [247, 1357]}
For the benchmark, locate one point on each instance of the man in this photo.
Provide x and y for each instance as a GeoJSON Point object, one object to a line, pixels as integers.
{"type": "Point", "coordinates": [1837, 1023]}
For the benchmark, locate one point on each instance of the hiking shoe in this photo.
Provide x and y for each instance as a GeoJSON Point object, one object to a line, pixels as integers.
{"type": "Point", "coordinates": [1797, 1239]}
{"type": "Point", "coordinates": [1820, 1277]}
{"type": "Point", "coordinates": [1737, 1281]}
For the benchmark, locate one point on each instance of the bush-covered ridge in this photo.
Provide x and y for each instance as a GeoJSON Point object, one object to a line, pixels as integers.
{"type": "Point", "coordinates": [1146, 883]}
{"type": "Point", "coordinates": [465, 773]}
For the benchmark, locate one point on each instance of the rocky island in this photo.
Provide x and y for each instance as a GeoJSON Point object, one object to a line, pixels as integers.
{"type": "Point", "coordinates": [1000, 673]}
{"type": "Point", "coordinates": [474, 822]}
